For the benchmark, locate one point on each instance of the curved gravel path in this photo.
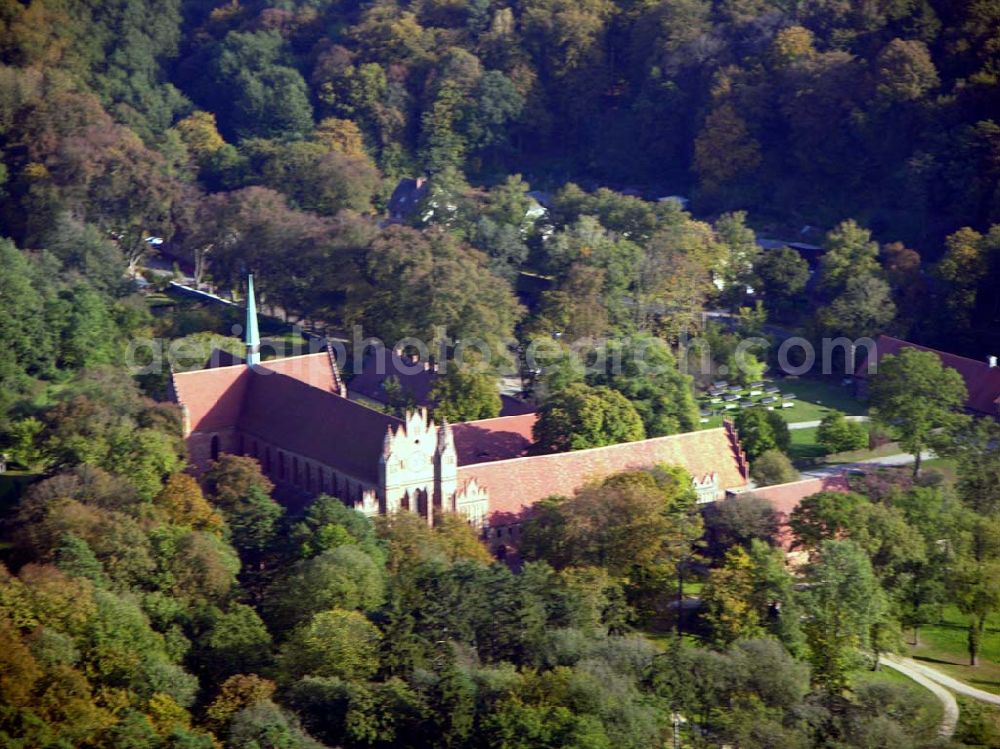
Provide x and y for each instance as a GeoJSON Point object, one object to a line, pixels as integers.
{"type": "Point", "coordinates": [947, 681]}
{"type": "Point", "coordinates": [915, 671]}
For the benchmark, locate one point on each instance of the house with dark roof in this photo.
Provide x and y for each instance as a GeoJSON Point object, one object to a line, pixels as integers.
{"type": "Point", "coordinates": [294, 416]}
{"type": "Point", "coordinates": [982, 378]}
{"type": "Point", "coordinates": [406, 198]}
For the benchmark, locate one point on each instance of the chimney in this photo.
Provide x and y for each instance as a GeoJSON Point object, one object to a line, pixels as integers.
{"type": "Point", "coordinates": [421, 181]}
{"type": "Point", "coordinates": [992, 361]}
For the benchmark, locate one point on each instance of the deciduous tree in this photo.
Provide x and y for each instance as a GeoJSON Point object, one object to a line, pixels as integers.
{"type": "Point", "coordinates": [773, 467]}
{"type": "Point", "coordinates": [761, 430]}
{"type": "Point", "coordinates": [918, 399]}
{"type": "Point", "coordinates": [465, 394]}
{"type": "Point", "coordinates": [332, 643]}
{"type": "Point", "coordinates": [845, 603]}
{"type": "Point", "coordinates": [836, 434]}
{"type": "Point", "coordinates": [581, 416]}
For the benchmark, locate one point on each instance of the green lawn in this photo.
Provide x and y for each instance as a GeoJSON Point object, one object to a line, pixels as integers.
{"type": "Point", "coordinates": [158, 299]}
{"type": "Point", "coordinates": [665, 639]}
{"type": "Point", "coordinates": [804, 448]}
{"type": "Point", "coordinates": [693, 587]}
{"type": "Point", "coordinates": [944, 646]}
{"type": "Point", "coordinates": [945, 466]}
{"type": "Point", "coordinates": [814, 400]}
{"type": "Point", "coordinates": [819, 397]}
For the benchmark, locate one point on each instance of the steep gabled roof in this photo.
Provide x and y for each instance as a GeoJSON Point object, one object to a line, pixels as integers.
{"type": "Point", "coordinates": [516, 484]}
{"type": "Point", "coordinates": [981, 380]}
{"type": "Point", "coordinates": [315, 423]}
{"type": "Point", "coordinates": [212, 398]}
{"type": "Point", "coordinates": [290, 402]}
{"type": "Point", "coordinates": [316, 370]}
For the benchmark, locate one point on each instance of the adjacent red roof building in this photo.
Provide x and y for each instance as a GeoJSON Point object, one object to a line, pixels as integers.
{"type": "Point", "coordinates": [982, 378]}
{"type": "Point", "coordinates": [486, 440]}
{"type": "Point", "coordinates": [293, 416]}
{"type": "Point", "coordinates": [784, 498]}
{"type": "Point", "coordinates": [713, 457]}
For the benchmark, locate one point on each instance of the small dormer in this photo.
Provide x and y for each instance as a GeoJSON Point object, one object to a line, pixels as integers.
{"type": "Point", "coordinates": [707, 488]}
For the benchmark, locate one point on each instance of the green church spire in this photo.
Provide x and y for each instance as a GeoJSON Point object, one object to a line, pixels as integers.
{"type": "Point", "coordinates": [252, 334]}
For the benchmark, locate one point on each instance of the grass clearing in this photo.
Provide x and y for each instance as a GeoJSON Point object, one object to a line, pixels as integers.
{"type": "Point", "coordinates": [664, 639]}
{"type": "Point", "coordinates": [804, 448]}
{"type": "Point", "coordinates": [947, 467]}
{"type": "Point", "coordinates": [819, 397]}
{"type": "Point", "coordinates": [805, 451]}
{"type": "Point", "coordinates": [814, 399]}
{"type": "Point", "coordinates": [854, 456]}
{"type": "Point", "coordinates": [944, 645]}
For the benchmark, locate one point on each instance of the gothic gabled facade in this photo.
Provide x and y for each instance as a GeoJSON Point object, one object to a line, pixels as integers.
{"type": "Point", "coordinates": [294, 416]}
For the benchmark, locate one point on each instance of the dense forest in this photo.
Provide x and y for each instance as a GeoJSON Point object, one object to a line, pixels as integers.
{"type": "Point", "coordinates": [142, 609]}
{"type": "Point", "coordinates": [885, 111]}
{"type": "Point", "coordinates": [264, 137]}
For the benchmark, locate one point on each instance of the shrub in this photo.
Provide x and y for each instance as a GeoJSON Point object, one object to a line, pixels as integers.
{"type": "Point", "coordinates": [836, 434]}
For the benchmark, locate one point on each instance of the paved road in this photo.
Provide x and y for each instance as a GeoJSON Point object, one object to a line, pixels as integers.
{"type": "Point", "coordinates": [902, 459]}
{"type": "Point", "coordinates": [911, 669]}
{"type": "Point", "coordinates": [813, 424]}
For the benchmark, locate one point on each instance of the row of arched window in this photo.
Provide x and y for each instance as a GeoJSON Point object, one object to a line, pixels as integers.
{"type": "Point", "coordinates": [303, 474]}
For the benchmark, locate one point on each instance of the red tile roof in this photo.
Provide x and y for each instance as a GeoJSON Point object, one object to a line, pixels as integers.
{"type": "Point", "coordinates": [312, 369]}
{"type": "Point", "coordinates": [288, 402]}
{"type": "Point", "coordinates": [488, 440]}
{"type": "Point", "coordinates": [981, 380]}
{"type": "Point", "coordinates": [784, 498]}
{"type": "Point", "coordinates": [314, 423]}
{"type": "Point", "coordinates": [213, 398]}
{"type": "Point", "coordinates": [516, 484]}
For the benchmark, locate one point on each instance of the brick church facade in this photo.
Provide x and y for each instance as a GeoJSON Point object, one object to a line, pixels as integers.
{"type": "Point", "coordinates": [295, 418]}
